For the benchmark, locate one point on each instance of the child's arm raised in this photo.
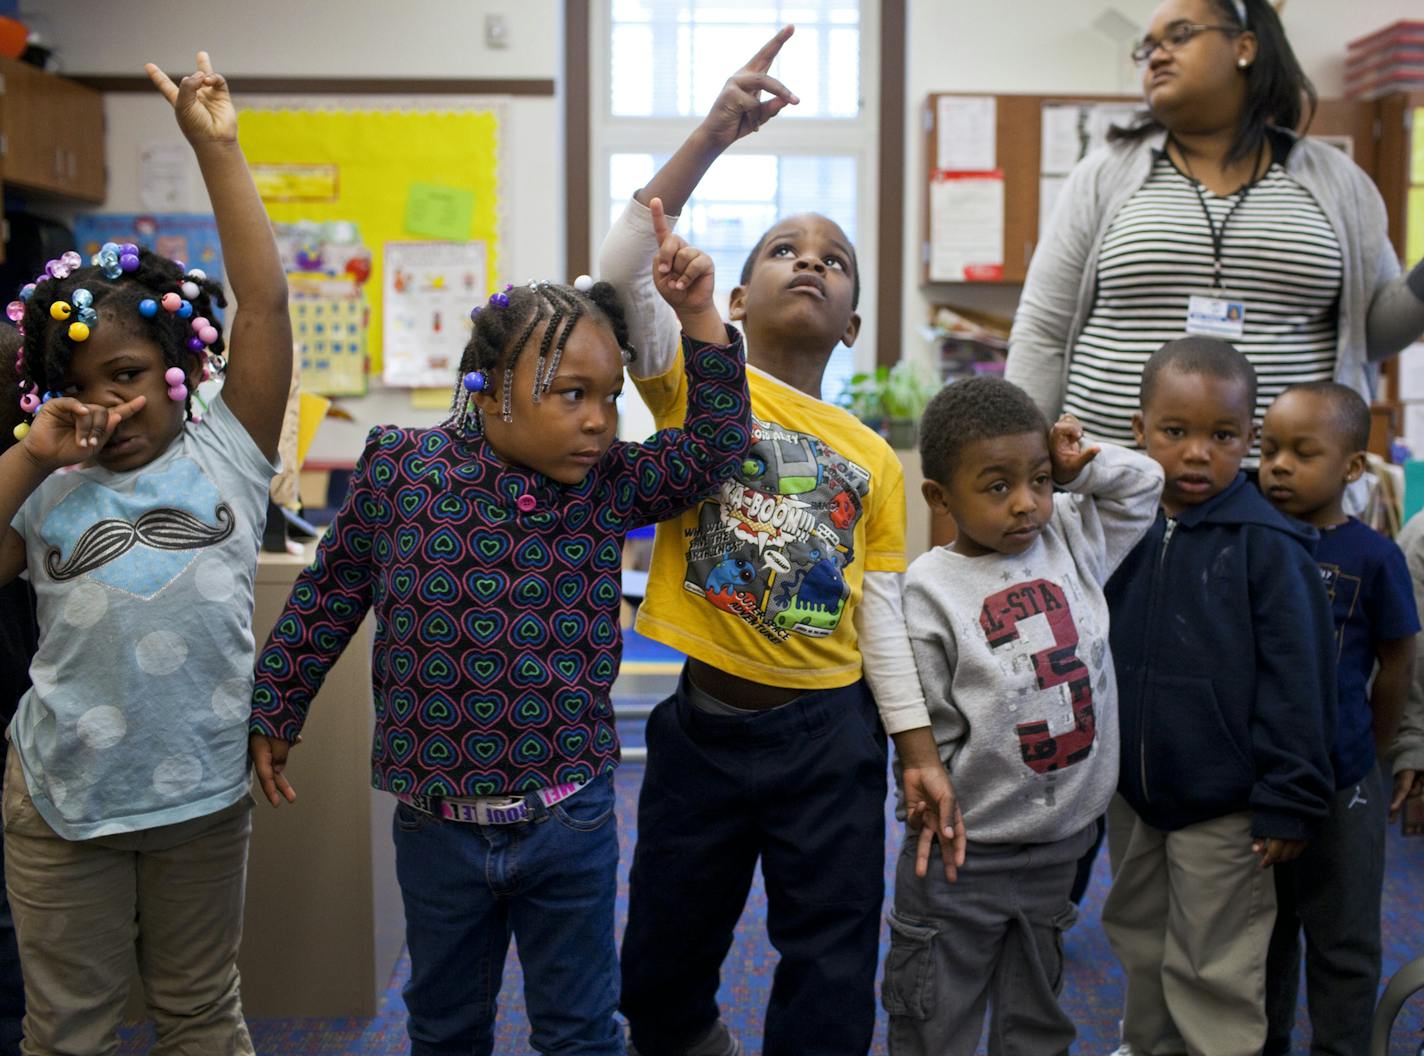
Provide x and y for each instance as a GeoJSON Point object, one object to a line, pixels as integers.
{"type": "Point", "coordinates": [739, 111]}
{"type": "Point", "coordinates": [684, 277]}
{"type": "Point", "coordinates": [625, 259]}
{"type": "Point", "coordinates": [676, 467]}
{"type": "Point", "coordinates": [259, 367]}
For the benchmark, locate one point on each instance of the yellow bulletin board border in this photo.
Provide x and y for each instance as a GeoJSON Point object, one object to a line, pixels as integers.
{"type": "Point", "coordinates": [370, 158]}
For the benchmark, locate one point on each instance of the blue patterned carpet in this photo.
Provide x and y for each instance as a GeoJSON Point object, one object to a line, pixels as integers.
{"type": "Point", "coordinates": [1092, 993]}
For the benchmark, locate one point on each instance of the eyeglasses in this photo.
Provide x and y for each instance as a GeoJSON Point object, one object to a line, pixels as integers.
{"type": "Point", "coordinates": [1178, 37]}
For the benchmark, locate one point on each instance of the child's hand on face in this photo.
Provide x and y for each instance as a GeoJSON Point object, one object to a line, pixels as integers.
{"type": "Point", "coordinates": [740, 109]}
{"type": "Point", "coordinates": [201, 103]}
{"type": "Point", "coordinates": [685, 278]}
{"type": "Point", "coordinates": [1066, 450]}
{"type": "Point", "coordinates": [66, 431]}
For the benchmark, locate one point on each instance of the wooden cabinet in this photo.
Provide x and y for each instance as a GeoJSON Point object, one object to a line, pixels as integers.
{"type": "Point", "coordinates": [53, 134]}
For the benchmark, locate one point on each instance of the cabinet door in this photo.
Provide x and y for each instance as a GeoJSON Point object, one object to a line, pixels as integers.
{"type": "Point", "coordinates": [29, 111]}
{"type": "Point", "coordinates": [54, 134]}
{"type": "Point", "coordinates": [81, 117]}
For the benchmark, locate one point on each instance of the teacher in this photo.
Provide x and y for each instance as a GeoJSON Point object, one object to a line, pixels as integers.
{"type": "Point", "coordinates": [1210, 205]}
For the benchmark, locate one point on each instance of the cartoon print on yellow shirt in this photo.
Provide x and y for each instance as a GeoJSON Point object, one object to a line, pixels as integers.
{"type": "Point", "coordinates": [771, 547]}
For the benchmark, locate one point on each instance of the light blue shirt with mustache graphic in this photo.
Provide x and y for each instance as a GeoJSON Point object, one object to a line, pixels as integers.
{"type": "Point", "coordinates": [144, 579]}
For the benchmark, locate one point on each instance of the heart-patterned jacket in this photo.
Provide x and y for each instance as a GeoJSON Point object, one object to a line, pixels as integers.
{"type": "Point", "coordinates": [496, 592]}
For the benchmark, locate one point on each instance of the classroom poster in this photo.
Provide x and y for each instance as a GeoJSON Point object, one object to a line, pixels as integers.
{"type": "Point", "coordinates": [189, 237]}
{"type": "Point", "coordinates": [429, 288]}
{"type": "Point", "coordinates": [381, 169]}
{"type": "Point", "coordinates": [329, 318]}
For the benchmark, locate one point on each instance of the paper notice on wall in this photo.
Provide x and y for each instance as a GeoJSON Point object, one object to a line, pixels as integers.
{"type": "Point", "coordinates": [428, 291]}
{"type": "Point", "coordinates": [965, 134]}
{"type": "Point", "coordinates": [1069, 131]}
{"type": "Point", "coordinates": [163, 170]}
{"type": "Point", "coordinates": [1061, 139]}
{"type": "Point", "coordinates": [967, 227]}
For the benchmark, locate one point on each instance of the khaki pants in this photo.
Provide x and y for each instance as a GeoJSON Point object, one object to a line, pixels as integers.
{"type": "Point", "coordinates": [1189, 916]}
{"type": "Point", "coordinates": [171, 896]}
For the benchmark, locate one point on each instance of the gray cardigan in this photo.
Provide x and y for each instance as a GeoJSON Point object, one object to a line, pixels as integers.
{"type": "Point", "coordinates": [1379, 314]}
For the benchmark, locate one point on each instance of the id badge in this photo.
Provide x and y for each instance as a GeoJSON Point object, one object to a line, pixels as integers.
{"type": "Point", "coordinates": [1215, 316]}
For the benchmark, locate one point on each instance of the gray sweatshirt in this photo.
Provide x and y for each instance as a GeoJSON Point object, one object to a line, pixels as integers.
{"type": "Point", "coordinates": [1379, 315]}
{"type": "Point", "coordinates": [1013, 657]}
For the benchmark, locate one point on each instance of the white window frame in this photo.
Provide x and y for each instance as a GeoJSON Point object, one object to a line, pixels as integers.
{"type": "Point", "coordinates": [857, 137]}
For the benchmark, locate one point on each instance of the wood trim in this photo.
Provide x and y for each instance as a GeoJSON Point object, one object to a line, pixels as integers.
{"type": "Point", "coordinates": [529, 86]}
{"type": "Point", "coordinates": [578, 255]}
{"type": "Point", "coordinates": [890, 259]}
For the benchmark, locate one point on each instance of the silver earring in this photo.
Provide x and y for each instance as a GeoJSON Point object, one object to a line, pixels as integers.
{"type": "Point", "coordinates": [1241, 64]}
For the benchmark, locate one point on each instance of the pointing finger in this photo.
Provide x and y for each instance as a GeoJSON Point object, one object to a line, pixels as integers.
{"type": "Point", "coordinates": [661, 229]}
{"type": "Point", "coordinates": [762, 60]}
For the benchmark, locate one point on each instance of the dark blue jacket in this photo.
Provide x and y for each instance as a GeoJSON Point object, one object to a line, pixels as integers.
{"type": "Point", "coordinates": [1225, 654]}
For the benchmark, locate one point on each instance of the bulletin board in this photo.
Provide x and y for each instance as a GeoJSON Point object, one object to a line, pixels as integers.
{"type": "Point", "coordinates": [991, 161]}
{"type": "Point", "coordinates": [399, 174]}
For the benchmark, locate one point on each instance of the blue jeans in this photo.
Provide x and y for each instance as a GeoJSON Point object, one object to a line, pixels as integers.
{"type": "Point", "coordinates": [550, 882]}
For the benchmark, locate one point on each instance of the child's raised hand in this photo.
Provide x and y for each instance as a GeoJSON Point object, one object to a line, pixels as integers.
{"type": "Point", "coordinates": [1066, 450]}
{"type": "Point", "coordinates": [66, 431]}
{"type": "Point", "coordinates": [740, 109]}
{"type": "Point", "coordinates": [269, 759]}
{"type": "Point", "coordinates": [685, 278]}
{"type": "Point", "coordinates": [200, 101]}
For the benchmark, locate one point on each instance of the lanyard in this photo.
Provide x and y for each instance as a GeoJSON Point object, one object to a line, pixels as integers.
{"type": "Point", "coordinates": [1218, 235]}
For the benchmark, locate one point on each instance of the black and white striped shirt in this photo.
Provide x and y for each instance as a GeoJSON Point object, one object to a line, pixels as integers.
{"type": "Point", "coordinates": [1279, 255]}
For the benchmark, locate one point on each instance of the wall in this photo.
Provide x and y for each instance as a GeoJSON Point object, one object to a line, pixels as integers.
{"type": "Point", "coordinates": [1049, 46]}
{"type": "Point", "coordinates": [333, 38]}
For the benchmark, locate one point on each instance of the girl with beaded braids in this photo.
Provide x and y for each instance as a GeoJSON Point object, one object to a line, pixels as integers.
{"type": "Point", "coordinates": [490, 548]}
{"type": "Point", "coordinates": [126, 805]}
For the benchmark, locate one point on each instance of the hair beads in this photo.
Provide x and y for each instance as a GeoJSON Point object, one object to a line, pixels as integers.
{"type": "Point", "coordinates": [144, 294]}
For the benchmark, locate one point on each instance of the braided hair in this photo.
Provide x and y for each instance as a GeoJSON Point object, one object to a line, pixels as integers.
{"type": "Point", "coordinates": [504, 326]}
{"type": "Point", "coordinates": [49, 349]}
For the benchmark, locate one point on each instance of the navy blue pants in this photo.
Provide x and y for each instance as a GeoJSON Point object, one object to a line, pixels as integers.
{"type": "Point", "coordinates": [803, 789]}
{"type": "Point", "coordinates": [1332, 893]}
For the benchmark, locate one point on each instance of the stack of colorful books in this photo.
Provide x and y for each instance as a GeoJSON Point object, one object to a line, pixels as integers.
{"type": "Point", "coordinates": [1388, 60]}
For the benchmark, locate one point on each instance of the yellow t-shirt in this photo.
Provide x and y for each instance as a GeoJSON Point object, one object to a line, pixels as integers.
{"type": "Point", "coordinates": [762, 579]}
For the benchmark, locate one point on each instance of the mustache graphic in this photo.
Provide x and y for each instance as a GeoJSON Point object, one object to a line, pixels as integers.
{"type": "Point", "coordinates": [163, 529]}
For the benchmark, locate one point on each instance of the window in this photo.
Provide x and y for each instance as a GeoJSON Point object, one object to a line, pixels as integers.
{"type": "Point", "coordinates": [657, 66]}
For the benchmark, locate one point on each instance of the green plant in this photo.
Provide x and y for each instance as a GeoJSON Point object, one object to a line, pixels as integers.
{"type": "Point", "coordinates": [899, 393]}
{"type": "Point", "coordinates": [909, 387]}
{"type": "Point", "coordinates": [863, 396]}
{"type": "Point", "coordinates": [891, 400]}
